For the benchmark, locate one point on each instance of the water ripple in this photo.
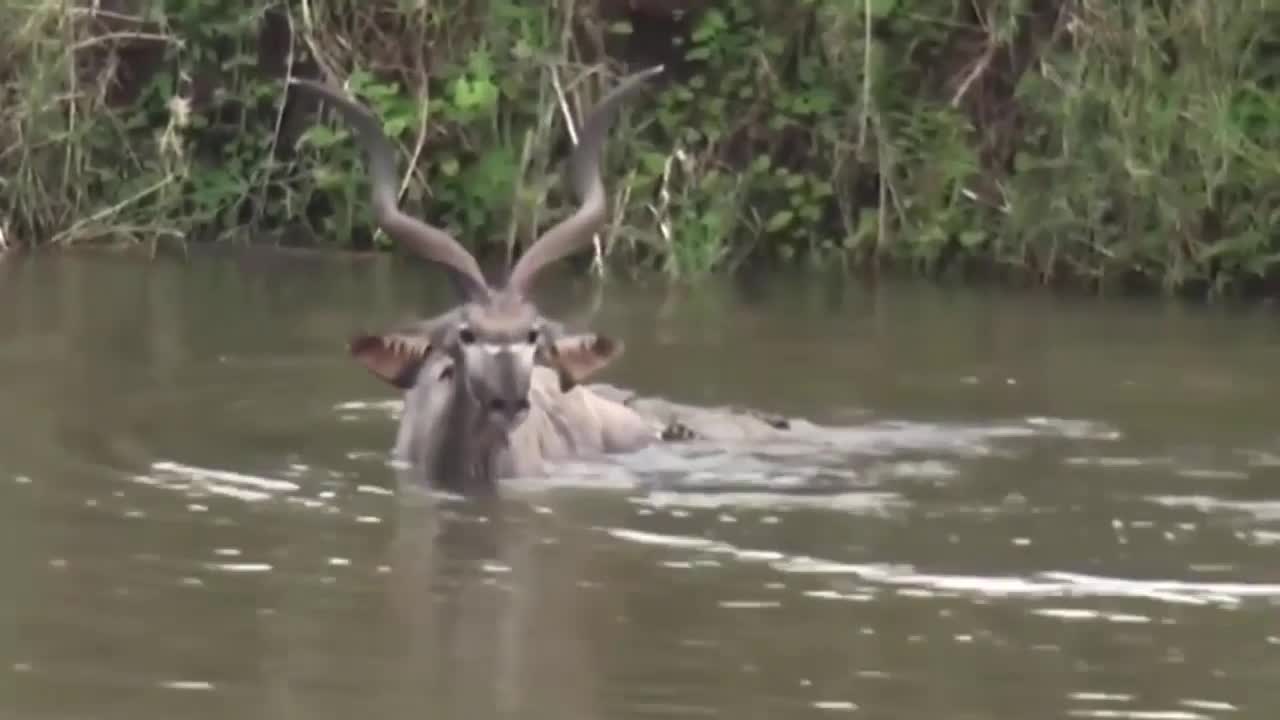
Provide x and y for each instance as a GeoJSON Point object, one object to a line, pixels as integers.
{"type": "Point", "coordinates": [1138, 714]}
{"type": "Point", "coordinates": [250, 488]}
{"type": "Point", "coordinates": [1045, 584]}
{"type": "Point", "coordinates": [1262, 510]}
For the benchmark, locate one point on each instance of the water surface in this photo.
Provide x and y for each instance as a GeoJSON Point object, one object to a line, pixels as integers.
{"type": "Point", "coordinates": [1018, 507]}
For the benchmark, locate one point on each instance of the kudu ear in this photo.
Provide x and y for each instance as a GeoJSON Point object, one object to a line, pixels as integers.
{"type": "Point", "coordinates": [392, 357]}
{"type": "Point", "coordinates": [575, 357]}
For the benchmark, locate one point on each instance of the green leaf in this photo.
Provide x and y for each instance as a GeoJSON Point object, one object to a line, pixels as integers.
{"type": "Point", "coordinates": [698, 53]}
{"type": "Point", "coordinates": [881, 8]}
{"type": "Point", "coordinates": [322, 136]}
{"type": "Point", "coordinates": [970, 239]}
{"type": "Point", "coordinates": [328, 177]}
{"type": "Point", "coordinates": [780, 220]}
{"type": "Point", "coordinates": [395, 126]}
{"type": "Point", "coordinates": [653, 161]}
{"type": "Point", "coordinates": [713, 21]}
{"type": "Point", "coordinates": [821, 188]}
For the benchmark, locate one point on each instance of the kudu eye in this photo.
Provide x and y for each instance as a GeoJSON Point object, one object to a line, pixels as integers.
{"type": "Point", "coordinates": [532, 337]}
{"type": "Point", "coordinates": [467, 336]}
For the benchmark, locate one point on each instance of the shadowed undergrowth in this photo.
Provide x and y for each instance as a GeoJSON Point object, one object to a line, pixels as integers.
{"type": "Point", "coordinates": [1093, 143]}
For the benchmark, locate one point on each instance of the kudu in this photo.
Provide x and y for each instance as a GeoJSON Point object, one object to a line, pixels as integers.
{"type": "Point", "coordinates": [491, 387]}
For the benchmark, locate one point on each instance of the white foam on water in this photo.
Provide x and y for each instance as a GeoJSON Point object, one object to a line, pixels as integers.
{"type": "Point", "coordinates": [849, 502]}
{"type": "Point", "coordinates": [1211, 474]}
{"type": "Point", "coordinates": [1138, 714]}
{"type": "Point", "coordinates": [842, 705]}
{"type": "Point", "coordinates": [247, 567]}
{"type": "Point", "coordinates": [1042, 585]}
{"type": "Point", "coordinates": [1265, 510]}
{"type": "Point", "coordinates": [749, 604]}
{"type": "Point", "coordinates": [1101, 697]}
{"type": "Point", "coordinates": [241, 486]}
{"type": "Point", "coordinates": [1075, 429]}
{"type": "Point", "coordinates": [835, 595]}
{"type": "Point", "coordinates": [227, 476]}
{"type": "Point", "coordinates": [1083, 614]}
{"type": "Point", "coordinates": [1117, 461]}
{"type": "Point", "coordinates": [187, 685]}
{"type": "Point", "coordinates": [1209, 705]}
{"type": "Point", "coordinates": [391, 408]}
{"type": "Point", "coordinates": [647, 538]}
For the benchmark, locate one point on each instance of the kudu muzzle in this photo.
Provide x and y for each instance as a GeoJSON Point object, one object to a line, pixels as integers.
{"type": "Point", "coordinates": [500, 384]}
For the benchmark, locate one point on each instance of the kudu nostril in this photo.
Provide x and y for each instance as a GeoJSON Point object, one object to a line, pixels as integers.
{"type": "Point", "coordinates": [498, 405]}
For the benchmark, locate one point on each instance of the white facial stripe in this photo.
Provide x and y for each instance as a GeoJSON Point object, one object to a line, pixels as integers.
{"type": "Point", "coordinates": [522, 349]}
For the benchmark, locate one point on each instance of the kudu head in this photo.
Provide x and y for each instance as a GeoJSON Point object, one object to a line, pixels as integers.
{"type": "Point", "coordinates": [488, 345]}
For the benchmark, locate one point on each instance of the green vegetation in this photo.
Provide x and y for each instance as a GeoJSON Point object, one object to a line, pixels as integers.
{"type": "Point", "coordinates": [1091, 142]}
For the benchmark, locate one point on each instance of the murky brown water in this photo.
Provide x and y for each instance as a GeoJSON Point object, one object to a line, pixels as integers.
{"type": "Point", "coordinates": [1030, 508]}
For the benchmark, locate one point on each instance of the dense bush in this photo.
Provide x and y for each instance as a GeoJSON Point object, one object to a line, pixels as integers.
{"type": "Point", "coordinates": [1076, 139]}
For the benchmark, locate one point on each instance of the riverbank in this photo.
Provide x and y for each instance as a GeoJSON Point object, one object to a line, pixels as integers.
{"type": "Point", "coordinates": [1083, 145]}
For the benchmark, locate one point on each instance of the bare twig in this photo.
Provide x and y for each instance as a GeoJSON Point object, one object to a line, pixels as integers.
{"type": "Point", "coordinates": [526, 155]}
{"type": "Point", "coordinates": [597, 261]}
{"type": "Point", "coordinates": [73, 85]}
{"type": "Point", "coordinates": [127, 35]}
{"type": "Point", "coordinates": [308, 37]}
{"type": "Point", "coordinates": [133, 231]}
{"type": "Point", "coordinates": [866, 75]}
{"type": "Point", "coordinates": [564, 105]}
{"type": "Point", "coordinates": [275, 134]}
{"type": "Point", "coordinates": [421, 141]}
{"type": "Point", "coordinates": [545, 120]}
{"type": "Point", "coordinates": [619, 209]}
{"type": "Point", "coordinates": [664, 200]}
{"type": "Point", "coordinates": [97, 12]}
{"type": "Point", "coordinates": [882, 208]}
{"type": "Point", "coordinates": [66, 234]}
{"type": "Point", "coordinates": [979, 67]}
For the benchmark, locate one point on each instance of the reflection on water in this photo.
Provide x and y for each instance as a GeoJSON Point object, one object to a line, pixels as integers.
{"type": "Point", "coordinates": [1008, 507]}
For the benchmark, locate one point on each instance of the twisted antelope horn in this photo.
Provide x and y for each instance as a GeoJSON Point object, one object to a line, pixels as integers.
{"type": "Point", "coordinates": [427, 241]}
{"type": "Point", "coordinates": [575, 231]}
